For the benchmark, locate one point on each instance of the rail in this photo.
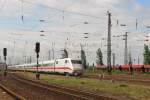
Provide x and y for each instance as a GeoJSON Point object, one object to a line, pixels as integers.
{"type": "Point", "coordinates": [11, 93]}
{"type": "Point", "coordinates": [82, 94]}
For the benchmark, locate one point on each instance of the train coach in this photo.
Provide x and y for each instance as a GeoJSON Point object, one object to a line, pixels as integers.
{"type": "Point", "coordinates": [63, 66]}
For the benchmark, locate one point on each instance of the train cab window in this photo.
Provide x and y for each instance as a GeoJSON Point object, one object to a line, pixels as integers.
{"type": "Point", "coordinates": [76, 61]}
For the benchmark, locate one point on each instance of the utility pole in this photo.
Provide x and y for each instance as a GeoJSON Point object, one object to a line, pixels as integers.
{"type": "Point", "coordinates": [65, 45]}
{"type": "Point", "coordinates": [9, 61]}
{"type": "Point", "coordinates": [109, 44]}
{"type": "Point", "coordinates": [0, 60]}
{"type": "Point", "coordinates": [81, 46]}
{"type": "Point", "coordinates": [126, 48]}
{"type": "Point", "coordinates": [49, 55]}
{"type": "Point", "coordinates": [53, 44]}
{"type": "Point", "coordinates": [138, 60]}
{"type": "Point", "coordinates": [30, 59]}
{"type": "Point", "coordinates": [25, 59]}
{"type": "Point", "coordinates": [14, 53]}
{"type": "Point", "coordinates": [114, 58]}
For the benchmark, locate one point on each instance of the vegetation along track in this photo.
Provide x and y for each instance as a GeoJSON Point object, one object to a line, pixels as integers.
{"type": "Point", "coordinates": [62, 92]}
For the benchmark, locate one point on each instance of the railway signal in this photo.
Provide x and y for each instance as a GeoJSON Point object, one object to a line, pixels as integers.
{"type": "Point", "coordinates": [5, 55]}
{"type": "Point", "coordinates": [5, 52]}
{"type": "Point", "coordinates": [37, 50]}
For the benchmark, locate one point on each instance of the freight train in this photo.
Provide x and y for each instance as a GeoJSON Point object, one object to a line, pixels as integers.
{"type": "Point", "coordinates": [138, 68]}
{"type": "Point", "coordinates": [64, 66]}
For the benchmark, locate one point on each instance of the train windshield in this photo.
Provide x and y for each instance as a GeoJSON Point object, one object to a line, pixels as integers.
{"type": "Point", "coordinates": [76, 61]}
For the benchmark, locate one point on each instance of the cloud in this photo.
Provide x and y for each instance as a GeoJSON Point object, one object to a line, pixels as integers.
{"type": "Point", "coordinates": [59, 26]}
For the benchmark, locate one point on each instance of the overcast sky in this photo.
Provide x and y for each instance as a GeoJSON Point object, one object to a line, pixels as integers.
{"type": "Point", "coordinates": [66, 21]}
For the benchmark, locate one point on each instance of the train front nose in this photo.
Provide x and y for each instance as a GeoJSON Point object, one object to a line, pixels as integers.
{"type": "Point", "coordinates": [78, 69]}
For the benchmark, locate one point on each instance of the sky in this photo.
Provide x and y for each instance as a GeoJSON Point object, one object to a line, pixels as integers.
{"type": "Point", "coordinates": [144, 2]}
{"type": "Point", "coordinates": [64, 24]}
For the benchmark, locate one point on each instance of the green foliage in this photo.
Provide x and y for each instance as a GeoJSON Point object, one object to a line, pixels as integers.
{"type": "Point", "coordinates": [83, 58]}
{"type": "Point", "coordinates": [65, 54]}
{"type": "Point", "coordinates": [130, 58]}
{"type": "Point", "coordinates": [99, 59]}
{"type": "Point", "coordinates": [146, 55]}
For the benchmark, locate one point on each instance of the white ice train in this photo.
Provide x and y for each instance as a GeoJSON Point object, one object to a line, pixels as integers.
{"type": "Point", "coordinates": [64, 66]}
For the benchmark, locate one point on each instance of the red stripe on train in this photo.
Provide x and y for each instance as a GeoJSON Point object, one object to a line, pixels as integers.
{"type": "Point", "coordinates": [52, 68]}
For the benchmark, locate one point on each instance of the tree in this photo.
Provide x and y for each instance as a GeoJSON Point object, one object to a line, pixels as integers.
{"type": "Point", "coordinates": [65, 54]}
{"type": "Point", "coordinates": [83, 58]}
{"type": "Point", "coordinates": [130, 59]}
{"type": "Point", "coordinates": [99, 59]}
{"type": "Point", "coordinates": [146, 55]}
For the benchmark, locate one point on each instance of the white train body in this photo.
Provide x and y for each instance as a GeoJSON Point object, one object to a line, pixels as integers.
{"type": "Point", "coordinates": [66, 66]}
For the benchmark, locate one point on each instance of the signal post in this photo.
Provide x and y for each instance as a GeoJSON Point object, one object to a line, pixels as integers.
{"type": "Point", "coordinates": [37, 50]}
{"type": "Point", "coordinates": [5, 67]}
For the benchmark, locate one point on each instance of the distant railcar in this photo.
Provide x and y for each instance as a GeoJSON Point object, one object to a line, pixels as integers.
{"type": "Point", "coordinates": [65, 66]}
{"type": "Point", "coordinates": [137, 68]}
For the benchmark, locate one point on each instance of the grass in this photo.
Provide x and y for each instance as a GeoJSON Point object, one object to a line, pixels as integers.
{"type": "Point", "coordinates": [139, 92]}
{"type": "Point", "coordinates": [96, 72]}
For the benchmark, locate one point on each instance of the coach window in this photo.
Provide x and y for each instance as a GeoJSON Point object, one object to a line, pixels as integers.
{"type": "Point", "coordinates": [51, 64]}
{"type": "Point", "coordinates": [66, 61]}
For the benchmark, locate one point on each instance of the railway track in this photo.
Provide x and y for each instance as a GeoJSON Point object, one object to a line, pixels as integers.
{"type": "Point", "coordinates": [11, 93]}
{"type": "Point", "coordinates": [127, 78]}
{"type": "Point", "coordinates": [118, 78]}
{"type": "Point", "coordinates": [70, 93]}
